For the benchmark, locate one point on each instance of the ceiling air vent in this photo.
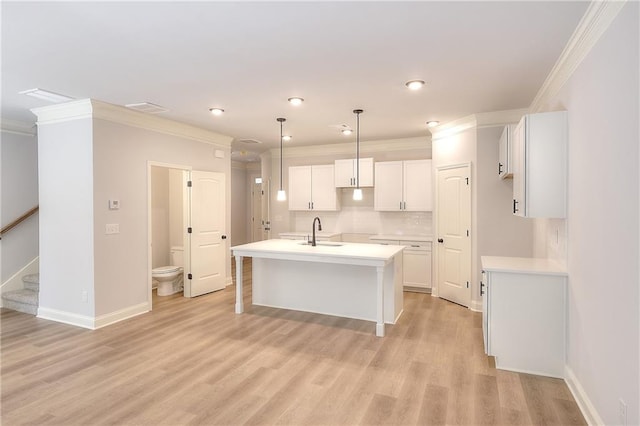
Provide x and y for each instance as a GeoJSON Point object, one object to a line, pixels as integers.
{"type": "Point", "coordinates": [147, 107]}
{"type": "Point", "coordinates": [253, 141]}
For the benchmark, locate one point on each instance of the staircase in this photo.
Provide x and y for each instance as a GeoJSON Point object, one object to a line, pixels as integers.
{"type": "Point", "coordinates": [25, 300]}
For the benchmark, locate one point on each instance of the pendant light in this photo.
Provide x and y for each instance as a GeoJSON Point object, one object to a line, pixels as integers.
{"type": "Point", "coordinates": [282, 195]}
{"type": "Point", "coordinates": [357, 193]}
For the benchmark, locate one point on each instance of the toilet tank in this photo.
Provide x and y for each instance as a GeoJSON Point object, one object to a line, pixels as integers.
{"type": "Point", "coordinates": [177, 258]}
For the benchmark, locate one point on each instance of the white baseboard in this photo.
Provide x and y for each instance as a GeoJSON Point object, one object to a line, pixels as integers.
{"type": "Point", "coordinates": [476, 305]}
{"type": "Point", "coordinates": [15, 281]}
{"type": "Point", "coordinates": [122, 314]}
{"type": "Point", "coordinates": [584, 403]}
{"type": "Point", "coordinates": [92, 323]}
{"type": "Point", "coordinates": [66, 317]}
{"type": "Point", "coordinates": [229, 281]}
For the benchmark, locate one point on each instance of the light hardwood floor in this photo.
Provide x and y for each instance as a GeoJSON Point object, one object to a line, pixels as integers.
{"type": "Point", "coordinates": [195, 362]}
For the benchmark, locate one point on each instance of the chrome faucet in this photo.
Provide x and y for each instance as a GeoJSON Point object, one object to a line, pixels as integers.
{"type": "Point", "coordinates": [313, 227]}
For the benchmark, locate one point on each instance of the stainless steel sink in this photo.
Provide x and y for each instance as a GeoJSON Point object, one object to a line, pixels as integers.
{"type": "Point", "coordinates": [321, 243]}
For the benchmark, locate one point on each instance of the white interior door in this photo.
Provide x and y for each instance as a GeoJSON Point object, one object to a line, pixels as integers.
{"type": "Point", "coordinates": [257, 223]}
{"type": "Point", "coordinates": [453, 234]}
{"type": "Point", "coordinates": [208, 239]}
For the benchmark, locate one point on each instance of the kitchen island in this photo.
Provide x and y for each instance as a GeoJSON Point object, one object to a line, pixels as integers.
{"type": "Point", "coordinates": [361, 281]}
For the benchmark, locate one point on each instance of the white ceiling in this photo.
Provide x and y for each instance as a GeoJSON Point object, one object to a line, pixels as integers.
{"type": "Point", "coordinates": [249, 57]}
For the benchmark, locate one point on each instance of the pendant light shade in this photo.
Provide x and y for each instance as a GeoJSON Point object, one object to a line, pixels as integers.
{"type": "Point", "coordinates": [357, 192]}
{"type": "Point", "coordinates": [282, 195]}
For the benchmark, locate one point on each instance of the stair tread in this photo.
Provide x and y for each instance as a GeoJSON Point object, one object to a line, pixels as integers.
{"type": "Point", "coordinates": [26, 296]}
{"type": "Point", "coordinates": [31, 278]}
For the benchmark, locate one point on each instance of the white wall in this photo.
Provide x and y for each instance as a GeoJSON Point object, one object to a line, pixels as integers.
{"type": "Point", "coordinates": [160, 217]}
{"type": "Point", "coordinates": [65, 169]}
{"type": "Point", "coordinates": [240, 213]}
{"type": "Point", "coordinates": [176, 208]}
{"type": "Point", "coordinates": [121, 154]}
{"type": "Point", "coordinates": [19, 193]}
{"type": "Point", "coordinates": [602, 223]}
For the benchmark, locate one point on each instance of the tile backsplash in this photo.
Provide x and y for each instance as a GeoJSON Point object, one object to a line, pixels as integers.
{"type": "Point", "coordinates": [358, 217]}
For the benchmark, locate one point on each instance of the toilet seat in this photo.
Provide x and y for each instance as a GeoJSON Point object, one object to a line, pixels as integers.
{"type": "Point", "coordinates": [165, 270]}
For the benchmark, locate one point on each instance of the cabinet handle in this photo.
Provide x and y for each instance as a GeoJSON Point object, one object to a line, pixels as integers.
{"type": "Point", "coordinates": [482, 288]}
{"type": "Point", "coordinates": [515, 204]}
{"type": "Point", "coordinates": [404, 205]}
{"type": "Point", "coordinates": [415, 245]}
{"type": "Point", "coordinates": [312, 205]}
{"type": "Point", "coordinates": [500, 168]}
{"type": "Point", "coordinates": [400, 205]}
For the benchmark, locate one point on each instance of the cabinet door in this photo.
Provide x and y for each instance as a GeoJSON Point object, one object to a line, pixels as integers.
{"type": "Point", "coordinates": [417, 186]}
{"type": "Point", "coordinates": [504, 153]}
{"type": "Point", "coordinates": [387, 191]}
{"type": "Point", "coordinates": [366, 172]}
{"type": "Point", "coordinates": [300, 188]}
{"type": "Point", "coordinates": [344, 173]}
{"type": "Point", "coordinates": [323, 188]}
{"type": "Point", "coordinates": [416, 268]}
{"type": "Point", "coordinates": [518, 159]}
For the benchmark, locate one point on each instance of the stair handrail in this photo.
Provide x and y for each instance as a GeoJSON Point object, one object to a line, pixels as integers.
{"type": "Point", "coordinates": [18, 221]}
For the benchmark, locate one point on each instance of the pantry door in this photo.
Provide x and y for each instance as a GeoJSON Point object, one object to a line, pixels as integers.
{"type": "Point", "coordinates": [453, 231]}
{"type": "Point", "coordinates": [207, 266]}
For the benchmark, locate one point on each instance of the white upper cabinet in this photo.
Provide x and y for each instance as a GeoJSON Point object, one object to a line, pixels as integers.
{"type": "Point", "coordinates": [504, 153]}
{"type": "Point", "coordinates": [403, 186]}
{"type": "Point", "coordinates": [346, 173]}
{"type": "Point", "coordinates": [540, 165]}
{"type": "Point", "coordinates": [312, 188]}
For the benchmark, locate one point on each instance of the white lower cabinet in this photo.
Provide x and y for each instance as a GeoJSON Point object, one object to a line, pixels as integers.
{"type": "Point", "coordinates": [416, 264]}
{"type": "Point", "coordinates": [523, 314]}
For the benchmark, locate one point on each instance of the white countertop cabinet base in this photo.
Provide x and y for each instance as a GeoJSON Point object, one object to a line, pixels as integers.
{"type": "Point", "coordinates": [524, 320]}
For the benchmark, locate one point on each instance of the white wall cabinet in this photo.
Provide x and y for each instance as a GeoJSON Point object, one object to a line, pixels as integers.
{"type": "Point", "coordinates": [312, 188]}
{"type": "Point", "coordinates": [540, 165]}
{"type": "Point", "coordinates": [523, 314]}
{"type": "Point", "coordinates": [504, 153]}
{"type": "Point", "coordinates": [403, 186]}
{"type": "Point", "coordinates": [346, 173]}
{"type": "Point", "coordinates": [416, 264]}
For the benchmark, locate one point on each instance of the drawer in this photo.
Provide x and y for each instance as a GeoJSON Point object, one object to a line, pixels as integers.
{"type": "Point", "coordinates": [417, 245]}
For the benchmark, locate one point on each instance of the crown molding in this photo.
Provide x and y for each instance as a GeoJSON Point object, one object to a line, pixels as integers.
{"type": "Point", "coordinates": [91, 108]}
{"type": "Point", "coordinates": [593, 24]}
{"type": "Point", "coordinates": [366, 147]}
{"type": "Point", "coordinates": [477, 121]}
{"type": "Point", "coordinates": [17, 127]}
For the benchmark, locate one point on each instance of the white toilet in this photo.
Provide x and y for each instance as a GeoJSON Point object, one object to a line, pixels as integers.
{"type": "Point", "coordinates": [169, 279]}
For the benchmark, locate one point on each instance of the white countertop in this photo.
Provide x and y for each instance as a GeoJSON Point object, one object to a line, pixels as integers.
{"type": "Point", "coordinates": [327, 252]}
{"type": "Point", "coordinates": [397, 237]}
{"type": "Point", "coordinates": [522, 265]}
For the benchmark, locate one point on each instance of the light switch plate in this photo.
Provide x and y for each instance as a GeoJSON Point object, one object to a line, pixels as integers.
{"type": "Point", "coordinates": [114, 204]}
{"type": "Point", "coordinates": [112, 228]}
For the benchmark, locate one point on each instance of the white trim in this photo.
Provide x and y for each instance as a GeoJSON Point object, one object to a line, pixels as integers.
{"type": "Point", "coordinates": [91, 108]}
{"type": "Point", "coordinates": [92, 323]}
{"type": "Point", "coordinates": [584, 403]}
{"type": "Point", "coordinates": [366, 147]}
{"type": "Point", "coordinates": [594, 23]}
{"type": "Point", "coordinates": [480, 120]}
{"type": "Point", "coordinates": [17, 127]}
{"type": "Point", "coordinates": [15, 281]}
{"type": "Point", "coordinates": [121, 315]}
{"type": "Point", "coordinates": [66, 317]}
{"type": "Point", "coordinates": [475, 305]}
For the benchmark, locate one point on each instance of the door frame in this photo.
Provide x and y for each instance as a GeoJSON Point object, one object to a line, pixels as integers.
{"type": "Point", "coordinates": [436, 251]}
{"type": "Point", "coordinates": [185, 247]}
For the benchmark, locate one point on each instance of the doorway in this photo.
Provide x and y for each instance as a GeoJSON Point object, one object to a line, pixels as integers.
{"type": "Point", "coordinates": [453, 230]}
{"type": "Point", "coordinates": [196, 213]}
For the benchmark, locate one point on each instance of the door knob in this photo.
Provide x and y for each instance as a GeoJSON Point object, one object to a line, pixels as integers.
{"type": "Point", "coordinates": [440, 240]}
{"type": "Point", "coordinates": [224, 237]}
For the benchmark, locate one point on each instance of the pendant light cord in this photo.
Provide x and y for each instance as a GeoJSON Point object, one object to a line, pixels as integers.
{"type": "Point", "coordinates": [281, 155]}
{"type": "Point", "coordinates": [357, 112]}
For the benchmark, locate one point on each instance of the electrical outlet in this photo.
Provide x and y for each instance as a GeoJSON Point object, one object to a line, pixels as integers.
{"type": "Point", "coordinates": [622, 412]}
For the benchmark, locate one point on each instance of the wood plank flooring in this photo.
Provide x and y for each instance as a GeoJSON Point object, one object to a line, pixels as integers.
{"type": "Point", "coordinates": [195, 362]}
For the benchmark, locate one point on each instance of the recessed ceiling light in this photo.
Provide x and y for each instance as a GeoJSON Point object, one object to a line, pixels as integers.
{"type": "Point", "coordinates": [432, 123]}
{"type": "Point", "coordinates": [287, 138]}
{"type": "Point", "coordinates": [216, 111]}
{"type": "Point", "coordinates": [296, 101]}
{"type": "Point", "coordinates": [346, 132]}
{"type": "Point", "coordinates": [46, 95]}
{"type": "Point", "coordinates": [414, 84]}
